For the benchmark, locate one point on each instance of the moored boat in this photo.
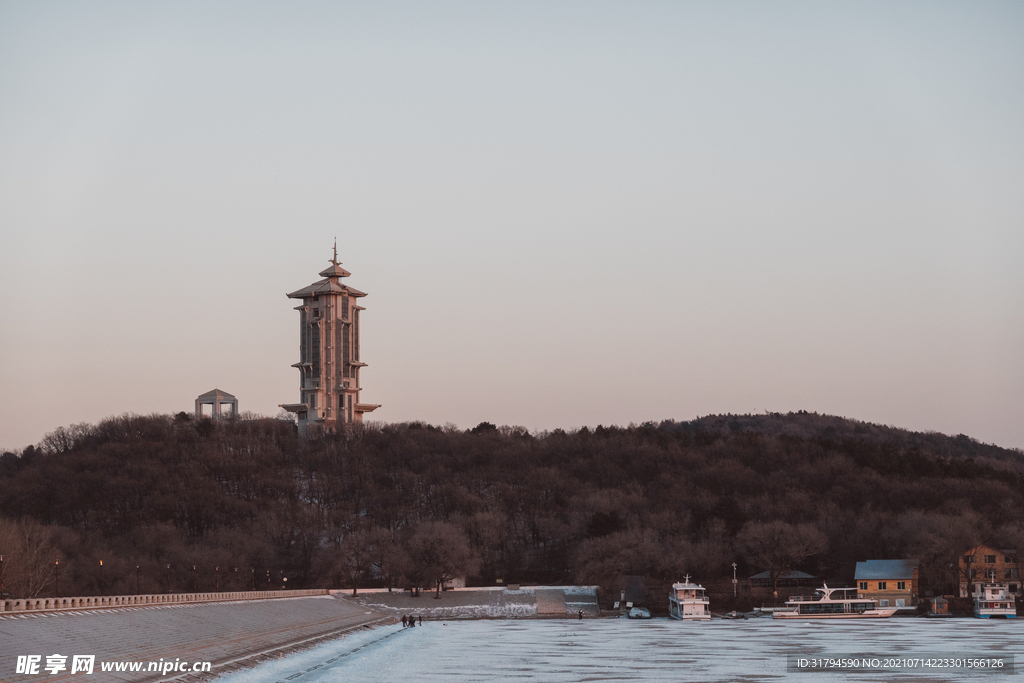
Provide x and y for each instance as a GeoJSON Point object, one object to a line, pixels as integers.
{"type": "Point", "coordinates": [994, 600]}
{"type": "Point", "coordinates": [833, 603]}
{"type": "Point", "coordinates": [689, 602]}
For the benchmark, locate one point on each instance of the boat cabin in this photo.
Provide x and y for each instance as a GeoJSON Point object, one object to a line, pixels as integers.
{"type": "Point", "coordinates": [994, 600]}
{"type": "Point", "coordinates": [688, 601]}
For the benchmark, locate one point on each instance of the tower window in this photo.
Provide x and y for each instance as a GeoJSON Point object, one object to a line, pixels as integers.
{"type": "Point", "coordinates": [345, 352]}
{"type": "Point", "coordinates": [315, 348]}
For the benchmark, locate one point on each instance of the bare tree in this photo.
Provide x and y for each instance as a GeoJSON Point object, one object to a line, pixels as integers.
{"type": "Point", "coordinates": [355, 557]}
{"type": "Point", "coordinates": [29, 556]}
{"type": "Point", "coordinates": [601, 560]}
{"type": "Point", "coordinates": [441, 551]}
{"type": "Point", "coordinates": [387, 556]}
{"type": "Point", "coordinates": [778, 546]}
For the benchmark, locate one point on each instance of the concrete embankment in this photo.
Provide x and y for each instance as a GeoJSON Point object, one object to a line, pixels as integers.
{"type": "Point", "coordinates": [225, 633]}
{"type": "Point", "coordinates": [550, 602]}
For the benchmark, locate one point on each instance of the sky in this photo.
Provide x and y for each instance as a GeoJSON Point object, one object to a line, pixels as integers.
{"type": "Point", "coordinates": [564, 214]}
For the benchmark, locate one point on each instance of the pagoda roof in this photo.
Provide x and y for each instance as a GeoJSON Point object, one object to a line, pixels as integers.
{"type": "Point", "coordinates": [328, 285]}
{"type": "Point", "coordinates": [335, 271]}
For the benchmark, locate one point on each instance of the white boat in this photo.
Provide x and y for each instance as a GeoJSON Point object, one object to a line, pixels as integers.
{"type": "Point", "coordinates": [688, 602]}
{"type": "Point", "coordinates": [994, 600]}
{"type": "Point", "coordinates": [833, 603]}
{"type": "Point", "coordinates": [639, 613]}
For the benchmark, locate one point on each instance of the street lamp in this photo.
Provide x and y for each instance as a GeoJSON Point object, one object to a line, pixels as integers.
{"type": "Point", "coordinates": [734, 579]}
{"type": "Point", "coordinates": [1, 577]}
{"type": "Point", "coordinates": [216, 573]}
{"type": "Point", "coordinates": [137, 580]}
{"type": "Point", "coordinates": [168, 578]}
{"type": "Point", "coordinates": [195, 584]}
{"type": "Point", "coordinates": [253, 571]}
{"type": "Point", "coordinates": [102, 591]}
{"type": "Point", "coordinates": [56, 578]}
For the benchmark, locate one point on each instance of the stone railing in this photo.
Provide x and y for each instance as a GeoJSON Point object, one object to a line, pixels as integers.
{"type": "Point", "coordinates": [107, 602]}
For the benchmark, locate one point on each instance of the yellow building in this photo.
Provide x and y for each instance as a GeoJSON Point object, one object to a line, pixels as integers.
{"type": "Point", "coordinates": [894, 583]}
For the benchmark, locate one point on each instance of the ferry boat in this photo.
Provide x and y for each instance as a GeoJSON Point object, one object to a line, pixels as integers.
{"type": "Point", "coordinates": [833, 603]}
{"type": "Point", "coordinates": [688, 602]}
{"type": "Point", "coordinates": [994, 600]}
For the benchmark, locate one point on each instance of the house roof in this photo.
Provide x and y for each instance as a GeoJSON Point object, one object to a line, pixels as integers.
{"type": "Point", "coordinates": [981, 549]}
{"type": "Point", "coordinates": [886, 569]}
{"type": "Point", "coordinates": [785, 575]}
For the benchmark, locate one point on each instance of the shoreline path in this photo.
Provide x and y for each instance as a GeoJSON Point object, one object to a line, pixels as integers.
{"type": "Point", "coordinates": [228, 634]}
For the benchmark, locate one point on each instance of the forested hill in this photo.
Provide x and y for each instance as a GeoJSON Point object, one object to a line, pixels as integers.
{"type": "Point", "coordinates": [246, 503]}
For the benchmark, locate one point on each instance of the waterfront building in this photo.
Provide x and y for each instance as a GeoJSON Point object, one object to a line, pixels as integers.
{"type": "Point", "coordinates": [983, 564]}
{"type": "Point", "coordinates": [894, 583]}
{"type": "Point", "coordinates": [329, 355]}
{"type": "Point", "coordinates": [794, 582]}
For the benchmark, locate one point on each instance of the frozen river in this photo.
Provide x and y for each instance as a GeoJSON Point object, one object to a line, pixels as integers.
{"type": "Point", "coordinates": [655, 650]}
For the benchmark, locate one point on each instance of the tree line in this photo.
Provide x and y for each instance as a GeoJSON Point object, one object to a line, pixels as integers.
{"type": "Point", "coordinates": [175, 503]}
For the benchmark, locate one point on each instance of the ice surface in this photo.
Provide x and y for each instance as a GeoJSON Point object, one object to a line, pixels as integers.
{"type": "Point", "coordinates": [624, 650]}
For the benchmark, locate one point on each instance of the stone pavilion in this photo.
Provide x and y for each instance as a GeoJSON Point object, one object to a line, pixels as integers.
{"type": "Point", "coordinates": [221, 404]}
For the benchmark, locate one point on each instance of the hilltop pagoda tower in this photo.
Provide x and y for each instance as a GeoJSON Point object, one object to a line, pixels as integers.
{"type": "Point", "coordinates": [329, 362]}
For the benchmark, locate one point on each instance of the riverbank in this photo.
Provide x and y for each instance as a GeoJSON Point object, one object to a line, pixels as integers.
{"type": "Point", "coordinates": [523, 602]}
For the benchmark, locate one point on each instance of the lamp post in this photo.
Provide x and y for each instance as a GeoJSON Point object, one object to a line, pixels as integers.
{"type": "Point", "coordinates": [195, 581]}
{"type": "Point", "coordinates": [168, 578]}
{"type": "Point", "coordinates": [56, 578]}
{"type": "Point", "coordinates": [216, 573]}
{"type": "Point", "coordinates": [252, 570]}
{"type": "Point", "coordinates": [734, 579]}
{"type": "Point", "coordinates": [102, 590]}
{"type": "Point", "coordinates": [1, 577]}
{"type": "Point", "coordinates": [137, 580]}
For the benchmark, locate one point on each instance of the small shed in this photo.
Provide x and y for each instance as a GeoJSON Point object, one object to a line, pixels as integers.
{"type": "Point", "coordinates": [938, 607]}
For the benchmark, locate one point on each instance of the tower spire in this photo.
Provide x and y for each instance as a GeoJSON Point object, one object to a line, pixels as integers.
{"type": "Point", "coordinates": [335, 259]}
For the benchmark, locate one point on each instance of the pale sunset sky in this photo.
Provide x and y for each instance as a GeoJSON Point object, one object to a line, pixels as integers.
{"type": "Point", "coordinates": [564, 213]}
